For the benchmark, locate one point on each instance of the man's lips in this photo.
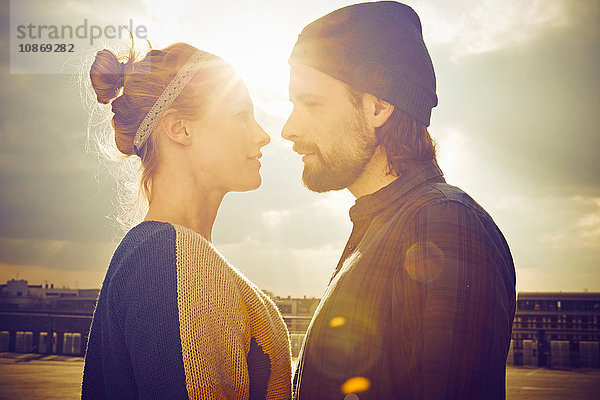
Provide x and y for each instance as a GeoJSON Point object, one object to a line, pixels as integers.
{"type": "Point", "coordinates": [305, 150]}
{"type": "Point", "coordinates": [307, 156]}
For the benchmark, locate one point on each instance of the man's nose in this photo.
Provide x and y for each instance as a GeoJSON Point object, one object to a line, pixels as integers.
{"type": "Point", "coordinates": [290, 129]}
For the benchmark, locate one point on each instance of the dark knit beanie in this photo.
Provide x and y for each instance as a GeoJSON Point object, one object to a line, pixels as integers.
{"type": "Point", "coordinates": [376, 48]}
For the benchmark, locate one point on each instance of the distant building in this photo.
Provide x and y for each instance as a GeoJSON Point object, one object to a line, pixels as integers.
{"type": "Point", "coordinates": [557, 330]}
{"type": "Point", "coordinates": [45, 319]}
{"type": "Point", "coordinates": [297, 314]}
{"type": "Point", "coordinates": [19, 295]}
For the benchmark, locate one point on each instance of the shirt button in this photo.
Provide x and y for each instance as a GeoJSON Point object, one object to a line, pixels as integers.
{"type": "Point", "coordinates": [350, 247]}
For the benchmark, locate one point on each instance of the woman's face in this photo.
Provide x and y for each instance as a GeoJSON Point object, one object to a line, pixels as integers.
{"type": "Point", "coordinates": [228, 140]}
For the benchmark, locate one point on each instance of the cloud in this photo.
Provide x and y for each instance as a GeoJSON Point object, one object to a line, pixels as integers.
{"type": "Point", "coordinates": [528, 113]}
{"type": "Point", "coordinates": [581, 229]}
{"type": "Point", "coordinates": [475, 27]}
{"type": "Point", "coordinates": [274, 218]}
{"type": "Point", "coordinates": [517, 127]}
{"type": "Point", "coordinates": [37, 274]}
{"type": "Point", "coordinates": [284, 270]}
{"type": "Point", "coordinates": [59, 254]}
{"type": "Point", "coordinates": [552, 236]}
{"type": "Point", "coordinates": [316, 223]}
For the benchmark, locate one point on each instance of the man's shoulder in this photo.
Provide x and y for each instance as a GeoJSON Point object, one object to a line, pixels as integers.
{"type": "Point", "coordinates": [440, 198]}
{"type": "Point", "coordinates": [446, 211]}
{"type": "Point", "coordinates": [455, 195]}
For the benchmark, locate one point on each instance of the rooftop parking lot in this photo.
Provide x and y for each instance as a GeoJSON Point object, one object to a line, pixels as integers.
{"type": "Point", "coordinates": [33, 376]}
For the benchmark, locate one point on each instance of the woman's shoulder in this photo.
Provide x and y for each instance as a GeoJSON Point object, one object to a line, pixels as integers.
{"type": "Point", "coordinates": [147, 235]}
{"type": "Point", "coordinates": [147, 239]}
{"type": "Point", "coordinates": [197, 256]}
{"type": "Point", "coordinates": [155, 245]}
{"type": "Point", "coordinates": [159, 249]}
{"type": "Point", "coordinates": [145, 249]}
{"type": "Point", "coordinates": [195, 252]}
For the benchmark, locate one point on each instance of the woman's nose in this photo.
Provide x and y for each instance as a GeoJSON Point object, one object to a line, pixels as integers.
{"type": "Point", "coordinates": [263, 138]}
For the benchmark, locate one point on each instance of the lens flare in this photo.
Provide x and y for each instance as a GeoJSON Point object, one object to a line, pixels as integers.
{"type": "Point", "coordinates": [356, 385]}
{"type": "Point", "coordinates": [424, 262]}
{"type": "Point", "coordinates": [337, 321]}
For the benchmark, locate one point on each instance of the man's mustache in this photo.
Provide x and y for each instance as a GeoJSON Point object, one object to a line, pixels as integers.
{"type": "Point", "coordinates": [305, 148]}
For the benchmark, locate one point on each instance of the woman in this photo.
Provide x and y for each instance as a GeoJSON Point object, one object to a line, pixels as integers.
{"type": "Point", "coordinates": [174, 320]}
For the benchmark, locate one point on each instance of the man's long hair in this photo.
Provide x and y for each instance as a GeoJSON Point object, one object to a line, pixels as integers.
{"type": "Point", "coordinates": [406, 142]}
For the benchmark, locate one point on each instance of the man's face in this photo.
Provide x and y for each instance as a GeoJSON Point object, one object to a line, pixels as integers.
{"type": "Point", "coordinates": [328, 129]}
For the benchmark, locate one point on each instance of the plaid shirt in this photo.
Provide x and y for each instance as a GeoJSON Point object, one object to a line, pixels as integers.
{"type": "Point", "coordinates": [421, 303]}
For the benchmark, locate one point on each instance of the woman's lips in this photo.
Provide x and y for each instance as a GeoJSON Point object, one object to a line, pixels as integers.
{"type": "Point", "coordinates": [255, 160]}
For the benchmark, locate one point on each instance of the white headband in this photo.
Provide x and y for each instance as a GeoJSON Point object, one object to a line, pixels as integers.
{"type": "Point", "coordinates": [183, 77]}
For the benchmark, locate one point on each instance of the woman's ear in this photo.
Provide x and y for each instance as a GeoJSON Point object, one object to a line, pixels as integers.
{"type": "Point", "coordinates": [382, 111]}
{"type": "Point", "coordinates": [176, 128]}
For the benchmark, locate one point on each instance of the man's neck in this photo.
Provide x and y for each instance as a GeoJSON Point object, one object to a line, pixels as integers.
{"type": "Point", "coordinates": [374, 177]}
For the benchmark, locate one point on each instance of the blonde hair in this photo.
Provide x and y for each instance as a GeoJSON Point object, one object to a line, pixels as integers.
{"type": "Point", "coordinates": [132, 87]}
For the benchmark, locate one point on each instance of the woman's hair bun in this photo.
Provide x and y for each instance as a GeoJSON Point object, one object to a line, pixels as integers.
{"type": "Point", "coordinates": [107, 75]}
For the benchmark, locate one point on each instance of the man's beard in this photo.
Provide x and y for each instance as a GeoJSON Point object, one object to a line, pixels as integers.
{"type": "Point", "coordinates": [345, 162]}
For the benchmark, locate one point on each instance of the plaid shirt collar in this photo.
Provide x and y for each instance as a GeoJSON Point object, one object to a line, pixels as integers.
{"type": "Point", "coordinates": [385, 196]}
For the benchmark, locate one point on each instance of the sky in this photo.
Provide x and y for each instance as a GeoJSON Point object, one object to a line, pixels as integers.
{"type": "Point", "coordinates": [517, 128]}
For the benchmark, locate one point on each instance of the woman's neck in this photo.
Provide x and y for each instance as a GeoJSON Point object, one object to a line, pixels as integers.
{"type": "Point", "coordinates": [185, 204]}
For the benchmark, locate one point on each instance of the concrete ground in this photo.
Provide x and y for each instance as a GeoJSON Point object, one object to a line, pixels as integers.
{"type": "Point", "coordinates": [524, 383]}
{"type": "Point", "coordinates": [33, 376]}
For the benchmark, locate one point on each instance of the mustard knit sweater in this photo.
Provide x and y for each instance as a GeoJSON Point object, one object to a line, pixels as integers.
{"type": "Point", "coordinates": [174, 320]}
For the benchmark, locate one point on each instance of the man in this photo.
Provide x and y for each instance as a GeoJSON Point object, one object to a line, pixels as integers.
{"type": "Point", "coordinates": [421, 303]}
